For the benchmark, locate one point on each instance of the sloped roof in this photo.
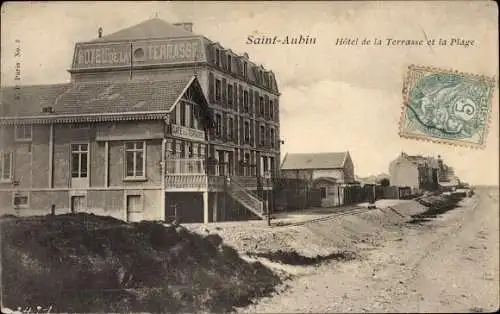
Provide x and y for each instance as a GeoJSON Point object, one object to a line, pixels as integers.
{"type": "Point", "coordinates": [149, 29]}
{"type": "Point", "coordinates": [315, 161]}
{"type": "Point", "coordinates": [420, 160]}
{"type": "Point", "coordinates": [93, 98]}
{"type": "Point", "coordinates": [31, 100]}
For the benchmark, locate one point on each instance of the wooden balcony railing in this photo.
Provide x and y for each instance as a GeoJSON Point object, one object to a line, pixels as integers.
{"type": "Point", "coordinates": [185, 166]}
{"type": "Point", "coordinates": [191, 173]}
{"type": "Point", "coordinates": [186, 181]}
{"type": "Point", "coordinates": [188, 133]}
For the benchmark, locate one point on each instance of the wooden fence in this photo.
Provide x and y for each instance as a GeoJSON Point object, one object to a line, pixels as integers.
{"type": "Point", "coordinates": [296, 194]}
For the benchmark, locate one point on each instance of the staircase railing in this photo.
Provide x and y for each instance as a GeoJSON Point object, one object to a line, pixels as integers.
{"type": "Point", "coordinates": [241, 186]}
{"type": "Point", "coordinates": [248, 199]}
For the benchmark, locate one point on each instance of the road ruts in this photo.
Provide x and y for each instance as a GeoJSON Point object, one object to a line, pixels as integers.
{"type": "Point", "coordinates": [449, 264]}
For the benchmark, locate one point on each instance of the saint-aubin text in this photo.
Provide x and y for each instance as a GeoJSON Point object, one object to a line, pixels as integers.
{"type": "Point", "coordinates": [277, 40]}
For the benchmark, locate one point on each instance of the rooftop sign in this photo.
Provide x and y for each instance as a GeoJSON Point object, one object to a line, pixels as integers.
{"type": "Point", "coordinates": [136, 54]}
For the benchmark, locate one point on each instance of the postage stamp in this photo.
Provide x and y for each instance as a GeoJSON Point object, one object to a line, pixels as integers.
{"type": "Point", "coordinates": [446, 106]}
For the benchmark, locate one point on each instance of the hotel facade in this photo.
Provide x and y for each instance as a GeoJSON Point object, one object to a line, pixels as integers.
{"type": "Point", "coordinates": [155, 121]}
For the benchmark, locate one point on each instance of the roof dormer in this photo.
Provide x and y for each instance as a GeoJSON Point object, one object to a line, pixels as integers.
{"type": "Point", "coordinates": [217, 53]}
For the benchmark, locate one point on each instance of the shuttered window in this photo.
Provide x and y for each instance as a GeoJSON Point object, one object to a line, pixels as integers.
{"type": "Point", "coordinates": [240, 97]}
{"type": "Point", "coordinates": [230, 95]}
{"type": "Point", "coordinates": [211, 89]}
{"type": "Point", "coordinates": [224, 95]}
{"type": "Point", "coordinates": [235, 91]}
{"type": "Point", "coordinates": [217, 91]}
{"type": "Point", "coordinates": [251, 101]}
{"type": "Point", "coordinates": [6, 166]}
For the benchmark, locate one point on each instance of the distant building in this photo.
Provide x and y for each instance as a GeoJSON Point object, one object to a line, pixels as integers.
{"type": "Point", "coordinates": [373, 180]}
{"type": "Point", "coordinates": [417, 172]}
{"type": "Point", "coordinates": [323, 171]}
{"type": "Point", "coordinates": [338, 166]}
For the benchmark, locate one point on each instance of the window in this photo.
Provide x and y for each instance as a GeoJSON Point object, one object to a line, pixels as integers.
{"type": "Point", "coordinates": [272, 140]}
{"type": "Point", "coordinates": [235, 92]}
{"type": "Point", "coordinates": [23, 132]}
{"type": "Point", "coordinates": [6, 166]}
{"type": "Point", "coordinates": [265, 166]}
{"type": "Point", "coordinates": [217, 57]}
{"type": "Point", "coordinates": [191, 165]}
{"type": "Point", "coordinates": [271, 109]}
{"type": "Point", "coordinates": [250, 101]}
{"type": "Point", "coordinates": [218, 124]}
{"type": "Point", "coordinates": [266, 106]}
{"type": "Point", "coordinates": [261, 106]}
{"type": "Point", "coordinates": [21, 200]}
{"type": "Point", "coordinates": [211, 90]}
{"type": "Point", "coordinates": [182, 149]}
{"type": "Point", "coordinates": [135, 160]}
{"type": "Point", "coordinates": [79, 160]}
{"type": "Point", "coordinates": [247, 132]}
{"type": "Point", "coordinates": [244, 69]}
{"type": "Point", "coordinates": [246, 169]}
{"type": "Point", "coordinates": [230, 128]}
{"type": "Point", "coordinates": [240, 97]}
{"type": "Point", "coordinates": [221, 162]}
{"type": "Point", "coordinates": [323, 193]}
{"type": "Point", "coordinates": [262, 135]}
{"type": "Point", "coordinates": [245, 101]}
{"type": "Point", "coordinates": [217, 91]}
{"type": "Point", "coordinates": [229, 63]}
{"type": "Point", "coordinates": [190, 150]}
{"type": "Point", "coordinates": [193, 112]}
{"type": "Point", "coordinates": [224, 92]}
{"type": "Point", "coordinates": [182, 109]}
{"type": "Point", "coordinates": [48, 109]}
{"type": "Point", "coordinates": [230, 163]}
{"type": "Point", "coordinates": [230, 94]}
{"type": "Point", "coordinates": [271, 166]}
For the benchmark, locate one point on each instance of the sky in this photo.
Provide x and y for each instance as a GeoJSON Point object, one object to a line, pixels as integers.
{"type": "Point", "coordinates": [334, 98]}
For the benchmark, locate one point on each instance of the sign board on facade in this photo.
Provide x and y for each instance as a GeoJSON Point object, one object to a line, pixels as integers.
{"type": "Point", "coordinates": [136, 54]}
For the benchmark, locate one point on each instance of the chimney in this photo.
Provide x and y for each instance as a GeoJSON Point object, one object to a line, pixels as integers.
{"type": "Point", "coordinates": [186, 26]}
{"type": "Point", "coordinates": [100, 32]}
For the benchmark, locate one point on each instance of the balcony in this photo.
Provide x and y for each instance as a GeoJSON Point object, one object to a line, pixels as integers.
{"type": "Point", "coordinates": [190, 175]}
{"type": "Point", "coordinates": [187, 133]}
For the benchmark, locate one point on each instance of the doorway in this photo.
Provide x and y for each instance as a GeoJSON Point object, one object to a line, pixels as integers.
{"type": "Point", "coordinates": [77, 203]}
{"type": "Point", "coordinates": [134, 208]}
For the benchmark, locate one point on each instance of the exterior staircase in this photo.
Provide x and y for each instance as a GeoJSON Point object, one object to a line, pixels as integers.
{"type": "Point", "coordinates": [245, 197]}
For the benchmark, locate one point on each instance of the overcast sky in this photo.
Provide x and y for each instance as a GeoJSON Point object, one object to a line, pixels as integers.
{"type": "Point", "coordinates": [333, 98]}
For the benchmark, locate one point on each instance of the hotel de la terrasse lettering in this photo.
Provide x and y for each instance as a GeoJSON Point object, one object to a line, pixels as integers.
{"type": "Point", "coordinates": [91, 55]}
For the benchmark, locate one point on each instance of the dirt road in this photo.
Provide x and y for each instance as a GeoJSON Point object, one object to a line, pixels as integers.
{"type": "Point", "coordinates": [450, 264]}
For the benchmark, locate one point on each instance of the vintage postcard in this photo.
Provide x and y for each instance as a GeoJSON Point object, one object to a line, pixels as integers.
{"type": "Point", "coordinates": [236, 157]}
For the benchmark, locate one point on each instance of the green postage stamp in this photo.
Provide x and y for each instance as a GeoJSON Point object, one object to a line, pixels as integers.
{"type": "Point", "coordinates": [446, 106]}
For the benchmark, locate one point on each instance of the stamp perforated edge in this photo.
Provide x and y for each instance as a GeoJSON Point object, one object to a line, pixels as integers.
{"type": "Point", "coordinates": [457, 143]}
